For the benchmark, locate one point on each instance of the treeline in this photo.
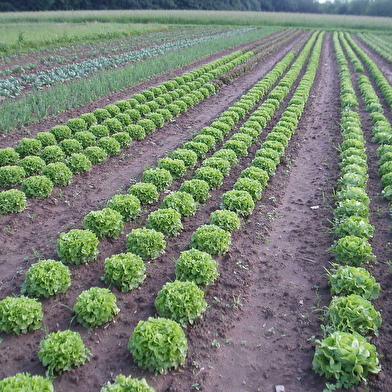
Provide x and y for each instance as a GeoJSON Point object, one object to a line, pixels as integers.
{"type": "Point", "coordinates": [343, 7]}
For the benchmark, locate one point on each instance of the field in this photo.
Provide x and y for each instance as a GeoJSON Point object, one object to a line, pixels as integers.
{"type": "Point", "coordinates": [294, 103]}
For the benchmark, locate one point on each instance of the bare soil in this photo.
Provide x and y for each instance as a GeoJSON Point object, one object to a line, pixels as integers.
{"type": "Point", "coordinates": [266, 305]}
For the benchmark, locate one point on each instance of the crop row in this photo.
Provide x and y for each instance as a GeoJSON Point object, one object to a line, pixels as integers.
{"type": "Point", "coordinates": [167, 328]}
{"type": "Point", "coordinates": [39, 104]}
{"type": "Point", "coordinates": [100, 134]}
{"type": "Point", "coordinates": [13, 86]}
{"type": "Point", "coordinates": [378, 44]}
{"type": "Point", "coordinates": [381, 127]}
{"type": "Point", "coordinates": [89, 50]}
{"type": "Point", "coordinates": [379, 78]}
{"type": "Point", "coordinates": [345, 355]}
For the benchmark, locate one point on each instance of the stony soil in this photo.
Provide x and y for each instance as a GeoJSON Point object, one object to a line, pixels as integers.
{"type": "Point", "coordinates": [266, 305]}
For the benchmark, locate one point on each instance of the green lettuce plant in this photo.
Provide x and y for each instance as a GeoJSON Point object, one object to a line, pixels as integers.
{"type": "Point", "coordinates": [70, 146]}
{"type": "Point", "coordinates": [61, 132]}
{"type": "Point", "coordinates": [213, 177]}
{"type": "Point", "coordinates": [156, 118]}
{"type": "Point", "coordinates": [38, 187]}
{"type": "Point", "coordinates": [265, 164]}
{"type": "Point", "coordinates": [32, 165]}
{"type": "Point", "coordinates": [46, 139]}
{"type": "Point", "coordinates": [99, 131]}
{"type": "Point", "coordinates": [158, 344]}
{"type": "Point", "coordinates": [76, 124]}
{"type": "Point", "coordinates": [253, 187]}
{"type": "Point", "coordinates": [105, 223]}
{"type": "Point", "coordinates": [136, 132]}
{"type": "Point", "coordinates": [95, 154]}
{"type": "Point", "coordinates": [85, 138]}
{"type": "Point", "coordinates": [112, 109]}
{"type": "Point", "coordinates": [127, 205]}
{"type": "Point", "coordinates": [348, 207]}
{"type": "Point", "coordinates": [124, 119]}
{"type": "Point", "coordinates": [123, 139]}
{"type": "Point", "coordinates": [243, 137]}
{"type": "Point", "coordinates": [46, 278]}
{"type": "Point", "coordinates": [20, 314]}
{"type": "Point", "coordinates": [227, 154]}
{"type": "Point", "coordinates": [113, 125]}
{"type": "Point", "coordinates": [124, 270]}
{"type": "Point", "coordinates": [221, 164]}
{"type": "Point", "coordinates": [274, 145]}
{"type": "Point", "coordinates": [59, 173]}
{"type": "Point", "coordinates": [216, 133]}
{"type": "Point", "coordinates": [148, 125]}
{"type": "Point", "coordinates": [200, 149]}
{"type": "Point", "coordinates": [149, 244]}
{"type": "Point", "coordinates": [11, 175]}
{"type": "Point", "coordinates": [89, 119]}
{"type": "Point", "coordinates": [240, 148]}
{"type": "Point", "coordinates": [61, 351]}
{"type": "Point", "coordinates": [353, 313]}
{"type": "Point", "coordinates": [144, 110]}
{"type": "Point", "coordinates": [211, 239]}
{"type": "Point", "coordinates": [28, 147]}
{"type": "Point", "coordinates": [208, 140]}
{"type": "Point", "coordinates": [239, 201]}
{"type": "Point", "coordinates": [127, 384]}
{"type": "Point", "coordinates": [255, 173]}
{"type": "Point", "coordinates": [77, 246]}
{"type": "Point", "coordinates": [182, 202]}
{"type": "Point", "coordinates": [95, 306]}
{"type": "Point", "coordinates": [199, 189]}
{"type": "Point", "coordinates": [8, 156]}
{"type": "Point", "coordinates": [352, 250]}
{"type": "Point", "coordinates": [12, 201]}
{"type": "Point", "coordinates": [352, 180]}
{"type": "Point", "coordinates": [146, 192]}
{"type": "Point", "coordinates": [269, 153]}
{"type": "Point", "coordinates": [166, 221]}
{"type": "Point", "coordinates": [169, 112]}
{"type": "Point", "coordinates": [180, 301]}
{"type": "Point", "coordinates": [161, 178]}
{"type": "Point", "coordinates": [26, 382]}
{"type": "Point", "coordinates": [176, 167]}
{"type": "Point", "coordinates": [78, 163]}
{"type": "Point", "coordinates": [346, 359]}
{"type": "Point", "coordinates": [189, 157]}
{"type": "Point", "coordinates": [353, 193]}
{"type": "Point", "coordinates": [354, 225]}
{"type": "Point", "coordinates": [196, 266]}
{"type": "Point", "coordinates": [346, 280]}
{"type": "Point", "coordinates": [52, 154]}
{"type": "Point", "coordinates": [227, 220]}
{"type": "Point", "coordinates": [135, 115]}
{"type": "Point", "coordinates": [110, 145]}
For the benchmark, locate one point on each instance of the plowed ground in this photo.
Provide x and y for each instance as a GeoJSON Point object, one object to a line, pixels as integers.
{"type": "Point", "coordinates": [266, 304]}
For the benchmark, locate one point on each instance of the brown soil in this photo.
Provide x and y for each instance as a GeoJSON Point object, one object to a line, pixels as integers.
{"type": "Point", "coordinates": [265, 306]}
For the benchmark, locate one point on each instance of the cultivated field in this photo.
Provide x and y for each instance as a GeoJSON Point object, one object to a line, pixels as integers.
{"type": "Point", "coordinates": [216, 176]}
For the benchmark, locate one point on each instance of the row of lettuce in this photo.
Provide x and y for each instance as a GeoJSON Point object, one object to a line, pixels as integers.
{"type": "Point", "coordinates": [57, 155]}
{"type": "Point", "coordinates": [13, 86]}
{"type": "Point", "coordinates": [159, 344]}
{"type": "Point", "coordinates": [378, 44]}
{"type": "Point", "coordinates": [351, 319]}
{"type": "Point", "coordinates": [52, 158]}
